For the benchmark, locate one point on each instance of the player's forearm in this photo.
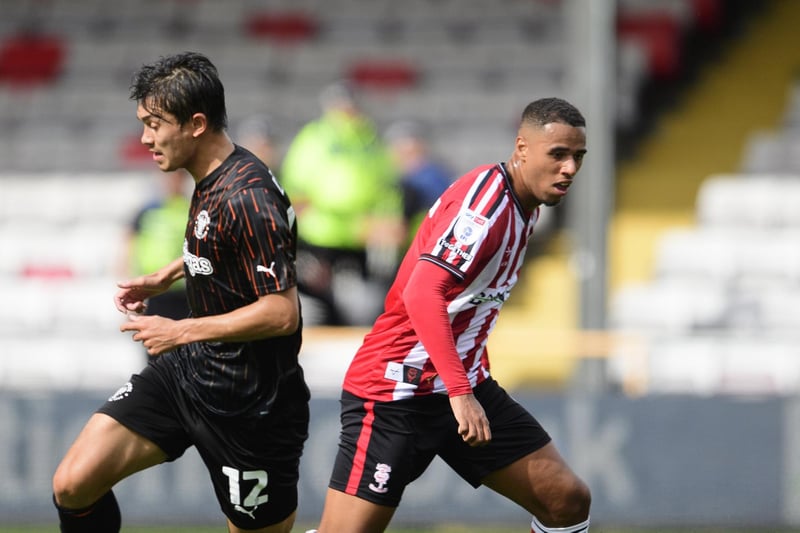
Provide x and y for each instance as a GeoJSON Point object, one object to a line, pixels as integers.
{"type": "Point", "coordinates": [274, 315]}
{"type": "Point", "coordinates": [171, 273]}
{"type": "Point", "coordinates": [426, 305]}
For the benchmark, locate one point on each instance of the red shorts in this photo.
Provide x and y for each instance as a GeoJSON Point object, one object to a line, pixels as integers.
{"type": "Point", "coordinates": [384, 446]}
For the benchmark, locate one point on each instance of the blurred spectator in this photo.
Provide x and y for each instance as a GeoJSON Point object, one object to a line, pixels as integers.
{"type": "Point", "coordinates": [422, 177]}
{"type": "Point", "coordinates": [340, 177]}
{"type": "Point", "coordinates": [258, 134]}
{"type": "Point", "coordinates": [155, 237]}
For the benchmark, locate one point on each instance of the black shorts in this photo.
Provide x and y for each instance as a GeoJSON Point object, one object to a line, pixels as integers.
{"type": "Point", "coordinates": [253, 461]}
{"type": "Point", "coordinates": [384, 446]}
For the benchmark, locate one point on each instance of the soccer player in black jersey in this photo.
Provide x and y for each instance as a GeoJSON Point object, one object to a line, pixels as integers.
{"type": "Point", "coordinates": [227, 379]}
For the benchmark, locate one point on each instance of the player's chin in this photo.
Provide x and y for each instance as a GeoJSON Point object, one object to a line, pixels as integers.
{"type": "Point", "coordinates": [552, 201]}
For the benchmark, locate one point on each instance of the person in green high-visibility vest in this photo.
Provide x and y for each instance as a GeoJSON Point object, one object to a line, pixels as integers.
{"type": "Point", "coordinates": [345, 189]}
{"type": "Point", "coordinates": [155, 238]}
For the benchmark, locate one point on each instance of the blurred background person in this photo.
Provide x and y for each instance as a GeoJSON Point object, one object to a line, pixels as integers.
{"type": "Point", "coordinates": [259, 134]}
{"type": "Point", "coordinates": [155, 237]}
{"type": "Point", "coordinates": [422, 176]}
{"type": "Point", "coordinates": [343, 184]}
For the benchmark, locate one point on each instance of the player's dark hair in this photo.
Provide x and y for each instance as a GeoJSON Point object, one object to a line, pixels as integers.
{"type": "Point", "coordinates": [182, 85]}
{"type": "Point", "coordinates": [547, 110]}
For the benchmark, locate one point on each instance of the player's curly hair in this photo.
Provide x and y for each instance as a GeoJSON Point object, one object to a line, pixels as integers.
{"type": "Point", "coordinates": [182, 84]}
{"type": "Point", "coordinates": [547, 110]}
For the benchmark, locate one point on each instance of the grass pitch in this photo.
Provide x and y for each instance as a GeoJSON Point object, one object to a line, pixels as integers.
{"type": "Point", "coordinates": [432, 529]}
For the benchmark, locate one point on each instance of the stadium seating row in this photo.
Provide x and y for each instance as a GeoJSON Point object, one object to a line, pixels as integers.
{"type": "Point", "coordinates": [58, 201]}
{"type": "Point", "coordinates": [691, 306]}
{"type": "Point", "coordinates": [276, 57]}
{"type": "Point", "coordinates": [711, 364]}
{"type": "Point", "coordinates": [744, 252]}
{"type": "Point", "coordinates": [68, 361]}
{"type": "Point", "coordinates": [759, 201]}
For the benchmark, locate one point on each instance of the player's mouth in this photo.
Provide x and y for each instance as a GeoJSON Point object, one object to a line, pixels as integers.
{"type": "Point", "coordinates": [562, 186]}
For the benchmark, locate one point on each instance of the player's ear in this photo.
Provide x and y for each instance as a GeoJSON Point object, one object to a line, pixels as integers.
{"type": "Point", "coordinates": [199, 124]}
{"type": "Point", "coordinates": [521, 146]}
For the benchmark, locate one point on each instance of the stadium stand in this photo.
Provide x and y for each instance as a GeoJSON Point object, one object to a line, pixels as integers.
{"type": "Point", "coordinates": [74, 170]}
{"type": "Point", "coordinates": [275, 58]}
{"type": "Point", "coordinates": [709, 211]}
{"type": "Point", "coordinates": [720, 309]}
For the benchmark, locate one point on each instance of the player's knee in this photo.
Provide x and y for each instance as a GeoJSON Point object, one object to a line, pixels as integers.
{"type": "Point", "coordinates": [68, 490]}
{"type": "Point", "coordinates": [570, 507]}
{"type": "Point", "coordinates": [579, 500]}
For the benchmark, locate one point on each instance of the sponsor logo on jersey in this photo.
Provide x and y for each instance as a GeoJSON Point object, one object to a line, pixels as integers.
{"type": "Point", "coordinates": [122, 393]}
{"type": "Point", "coordinates": [468, 227]}
{"type": "Point", "coordinates": [497, 297]}
{"type": "Point", "coordinates": [201, 224]}
{"type": "Point", "coordinates": [455, 249]}
{"type": "Point", "coordinates": [381, 477]}
{"type": "Point", "coordinates": [195, 264]}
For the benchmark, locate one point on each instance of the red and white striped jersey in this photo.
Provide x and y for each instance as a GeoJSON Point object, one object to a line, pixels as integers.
{"type": "Point", "coordinates": [479, 232]}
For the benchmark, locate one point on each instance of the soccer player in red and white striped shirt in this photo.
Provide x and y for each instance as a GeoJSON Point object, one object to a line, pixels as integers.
{"type": "Point", "coordinates": [420, 385]}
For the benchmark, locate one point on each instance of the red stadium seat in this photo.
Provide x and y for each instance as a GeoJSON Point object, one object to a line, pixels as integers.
{"type": "Point", "coordinates": [282, 27]}
{"type": "Point", "coordinates": [708, 15]}
{"type": "Point", "coordinates": [661, 35]}
{"type": "Point", "coordinates": [28, 59]}
{"type": "Point", "coordinates": [134, 153]}
{"type": "Point", "coordinates": [383, 74]}
{"type": "Point", "coordinates": [47, 271]}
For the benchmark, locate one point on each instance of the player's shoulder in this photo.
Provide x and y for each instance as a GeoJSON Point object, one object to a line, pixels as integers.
{"type": "Point", "coordinates": [475, 180]}
{"type": "Point", "coordinates": [247, 171]}
{"type": "Point", "coordinates": [478, 172]}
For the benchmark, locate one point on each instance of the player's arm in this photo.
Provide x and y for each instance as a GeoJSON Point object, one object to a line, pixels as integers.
{"type": "Point", "coordinates": [425, 299]}
{"type": "Point", "coordinates": [273, 315]}
{"type": "Point", "coordinates": [132, 293]}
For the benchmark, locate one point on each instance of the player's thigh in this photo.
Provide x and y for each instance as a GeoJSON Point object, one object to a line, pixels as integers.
{"type": "Point", "coordinates": [515, 434]}
{"type": "Point", "coordinates": [346, 512]}
{"type": "Point", "coordinates": [104, 453]}
{"type": "Point", "coordinates": [543, 484]}
{"type": "Point", "coordinates": [136, 428]}
{"type": "Point", "coordinates": [381, 447]}
{"type": "Point", "coordinates": [254, 464]}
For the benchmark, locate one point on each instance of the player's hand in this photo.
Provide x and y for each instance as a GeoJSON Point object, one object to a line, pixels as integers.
{"type": "Point", "coordinates": [132, 293]}
{"type": "Point", "coordinates": [156, 333]}
{"type": "Point", "coordinates": [473, 426]}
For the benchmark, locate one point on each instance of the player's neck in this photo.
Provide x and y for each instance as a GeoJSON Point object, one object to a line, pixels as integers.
{"type": "Point", "coordinates": [216, 149]}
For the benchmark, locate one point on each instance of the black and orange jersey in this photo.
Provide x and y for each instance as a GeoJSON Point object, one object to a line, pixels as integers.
{"type": "Point", "coordinates": [240, 245]}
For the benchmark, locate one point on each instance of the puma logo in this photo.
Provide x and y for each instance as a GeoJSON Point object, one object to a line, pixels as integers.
{"type": "Point", "coordinates": [245, 511]}
{"type": "Point", "coordinates": [269, 271]}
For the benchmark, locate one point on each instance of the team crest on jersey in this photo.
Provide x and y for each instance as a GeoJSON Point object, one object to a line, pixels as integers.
{"type": "Point", "coordinates": [468, 227]}
{"type": "Point", "coordinates": [201, 224]}
{"type": "Point", "coordinates": [403, 373]}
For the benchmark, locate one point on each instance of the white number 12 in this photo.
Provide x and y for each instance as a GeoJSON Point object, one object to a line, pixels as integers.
{"type": "Point", "coordinates": [254, 497]}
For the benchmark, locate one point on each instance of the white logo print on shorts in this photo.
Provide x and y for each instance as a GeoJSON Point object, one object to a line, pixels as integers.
{"type": "Point", "coordinates": [381, 478]}
{"type": "Point", "coordinates": [122, 393]}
